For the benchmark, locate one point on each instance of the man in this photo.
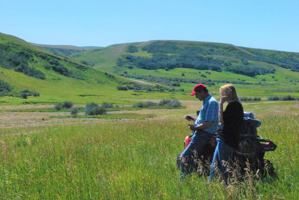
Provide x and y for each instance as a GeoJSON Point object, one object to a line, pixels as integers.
{"type": "Point", "coordinates": [204, 127]}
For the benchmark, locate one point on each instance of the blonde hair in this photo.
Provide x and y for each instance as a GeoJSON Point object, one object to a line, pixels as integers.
{"type": "Point", "coordinates": [230, 91]}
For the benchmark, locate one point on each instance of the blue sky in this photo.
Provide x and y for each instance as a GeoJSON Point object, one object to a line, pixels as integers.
{"type": "Point", "coordinates": [269, 24]}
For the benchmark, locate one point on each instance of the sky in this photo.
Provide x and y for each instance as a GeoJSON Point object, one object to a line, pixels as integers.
{"type": "Point", "coordinates": [267, 24]}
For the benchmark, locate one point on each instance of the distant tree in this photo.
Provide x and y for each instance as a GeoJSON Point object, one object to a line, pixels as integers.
{"type": "Point", "coordinates": [132, 49]}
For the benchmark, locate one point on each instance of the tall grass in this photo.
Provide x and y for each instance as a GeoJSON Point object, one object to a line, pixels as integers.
{"type": "Point", "coordinates": [132, 160]}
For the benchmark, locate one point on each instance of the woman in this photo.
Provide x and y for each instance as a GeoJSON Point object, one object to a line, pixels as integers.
{"type": "Point", "coordinates": [228, 137]}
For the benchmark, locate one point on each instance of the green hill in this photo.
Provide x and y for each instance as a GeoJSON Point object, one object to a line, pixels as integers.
{"type": "Point", "coordinates": [180, 64]}
{"type": "Point", "coordinates": [144, 70]}
{"type": "Point", "coordinates": [65, 50]}
{"type": "Point", "coordinates": [29, 73]}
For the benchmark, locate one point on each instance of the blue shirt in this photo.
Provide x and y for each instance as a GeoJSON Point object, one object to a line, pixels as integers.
{"type": "Point", "coordinates": [209, 113]}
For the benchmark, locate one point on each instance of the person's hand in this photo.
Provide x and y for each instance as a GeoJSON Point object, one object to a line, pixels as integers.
{"type": "Point", "coordinates": [189, 118]}
{"type": "Point", "coordinates": [192, 127]}
{"type": "Point", "coordinates": [223, 99]}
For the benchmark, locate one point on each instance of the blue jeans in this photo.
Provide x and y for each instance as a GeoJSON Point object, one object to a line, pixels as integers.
{"type": "Point", "coordinates": [198, 142]}
{"type": "Point", "coordinates": [223, 154]}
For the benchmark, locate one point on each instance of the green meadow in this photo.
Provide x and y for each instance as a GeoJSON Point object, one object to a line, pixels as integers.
{"type": "Point", "coordinates": [134, 157]}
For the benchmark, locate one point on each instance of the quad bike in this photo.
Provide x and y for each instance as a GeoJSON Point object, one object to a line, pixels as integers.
{"type": "Point", "coordinates": [248, 157]}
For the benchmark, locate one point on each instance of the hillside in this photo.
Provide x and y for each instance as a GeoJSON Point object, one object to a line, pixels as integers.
{"type": "Point", "coordinates": [180, 64]}
{"type": "Point", "coordinates": [28, 73]}
{"type": "Point", "coordinates": [65, 50]}
{"type": "Point", "coordinates": [144, 70]}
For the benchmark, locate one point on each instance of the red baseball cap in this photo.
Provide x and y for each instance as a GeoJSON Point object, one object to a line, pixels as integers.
{"type": "Point", "coordinates": [196, 87]}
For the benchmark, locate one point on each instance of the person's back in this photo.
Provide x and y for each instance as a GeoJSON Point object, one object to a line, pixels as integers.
{"type": "Point", "coordinates": [232, 124]}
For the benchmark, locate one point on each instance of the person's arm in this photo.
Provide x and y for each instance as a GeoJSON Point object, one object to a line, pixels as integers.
{"type": "Point", "coordinates": [201, 126]}
{"type": "Point", "coordinates": [189, 118]}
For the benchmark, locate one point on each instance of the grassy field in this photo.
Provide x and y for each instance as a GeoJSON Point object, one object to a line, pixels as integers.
{"type": "Point", "coordinates": [129, 153]}
{"type": "Point", "coordinates": [132, 157]}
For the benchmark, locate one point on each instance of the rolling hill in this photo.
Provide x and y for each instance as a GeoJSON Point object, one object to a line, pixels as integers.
{"type": "Point", "coordinates": [146, 70]}
{"type": "Point", "coordinates": [29, 73]}
{"type": "Point", "coordinates": [180, 64]}
{"type": "Point", "coordinates": [65, 50]}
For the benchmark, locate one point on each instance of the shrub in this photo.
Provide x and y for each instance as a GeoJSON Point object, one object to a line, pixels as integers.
{"type": "Point", "coordinates": [168, 62]}
{"type": "Point", "coordinates": [273, 98]}
{"type": "Point", "coordinates": [74, 112]}
{"type": "Point", "coordinates": [146, 104]}
{"type": "Point", "coordinates": [288, 98]}
{"type": "Point", "coordinates": [107, 105]}
{"type": "Point", "coordinates": [5, 88]}
{"type": "Point", "coordinates": [168, 103]}
{"type": "Point", "coordinates": [58, 106]}
{"type": "Point", "coordinates": [132, 49]}
{"type": "Point", "coordinates": [122, 87]}
{"type": "Point", "coordinates": [176, 84]}
{"type": "Point", "coordinates": [61, 70]}
{"type": "Point", "coordinates": [26, 93]}
{"type": "Point", "coordinates": [64, 105]}
{"type": "Point", "coordinates": [252, 71]}
{"type": "Point", "coordinates": [67, 104]}
{"type": "Point", "coordinates": [250, 99]}
{"type": "Point", "coordinates": [94, 109]}
{"type": "Point", "coordinates": [173, 103]}
{"type": "Point", "coordinates": [30, 71]}
{"type": "Point", "coordinates": [285, 98]}
{"type": "Point", "coordinates": [53, 62]}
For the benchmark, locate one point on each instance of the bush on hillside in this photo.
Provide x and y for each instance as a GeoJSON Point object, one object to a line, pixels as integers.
{"type": "Point", "coordinates": [30, 71]}
{"type": "Point", "coordinates": [172, 103]}
{"type": "Point", "coordinates": [132, 49]}
{"type": "Point", "coordinates": [122, 87]}
{"type": "Point", "coordinates": [61, 70]}
{"type": "Point", "coordinates": [250, 99]}
{"type": "Point", "coordinates": [107, 105]}
{"type": "Point", "coordinates": [94, 109]}
{"type": "Point", "coordinates": [5, 88]}
{"type": "Point", "coordinates": [64, 105]}
{"type": "Point", "coordinates": [284, 98]}
{"type": "Point", "coordinates": [26, 93]}
{"type": "Point", "coordinates": [146, 104]}
{"type": "Point", "coordinates": [164, 103]}
{"type": "Point", "coordinates": [74, 112]}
